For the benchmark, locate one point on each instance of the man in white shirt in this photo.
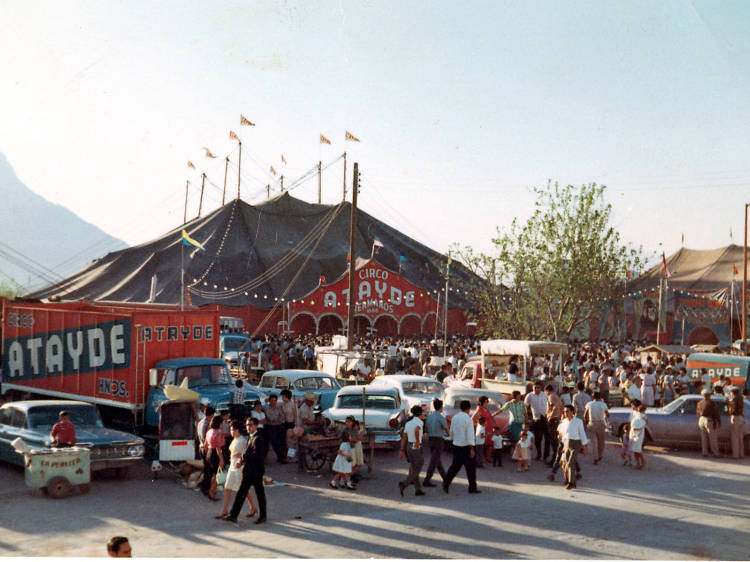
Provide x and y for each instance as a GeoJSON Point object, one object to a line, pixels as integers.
{"type": "Point", "coordinates": [462, 436]}
{"type": "Point", "coordinates": [595, 414]}
{"type": "Point", "coordinates": [411, 445]}
{"type": "Point", "coordinates": [574, 437]}
{"type": "Point", "coordinates": [536, 409]}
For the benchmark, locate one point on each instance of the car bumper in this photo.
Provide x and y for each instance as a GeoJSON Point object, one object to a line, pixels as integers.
{"type": "Point", "coordinates": [103, 464]}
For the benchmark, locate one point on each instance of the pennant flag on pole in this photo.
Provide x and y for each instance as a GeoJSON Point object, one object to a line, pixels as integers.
{"type": "Point", "coordinates": [208, 153]}
{"type": "Point", "coordinates": [667, 273]}
{"type": "Point", "coordinates": [190, 165]}
{"type": "Point", "coordinates": [348, 256]}
{"type": "Point", "coordinates": [350, 137]}
{"type": "Point", "coordinates": [377, 243]}
{"type": "Point", "coordinates": [324, 140]}
{"type": "Point", "coordinates": [233, 135]}
{"type": "Point", "coordinates": [402, 257]}
{"type": "Point", "coordinates": [273, 171]}
{"type": "Point", "coordinates": [629, 274]}
{"type": "Point", "coordinates": [736, 272]}
{"type": "Point", "coordinates": [283, 159]}
{"type": "Point", "coordinates": [245, 121]}
{"type": "Point", "coordinates": [187, 241]}
{"type": "Point", "coordinates": [322, 279]}
{"type": "Point", "coordinates": [683, 238]}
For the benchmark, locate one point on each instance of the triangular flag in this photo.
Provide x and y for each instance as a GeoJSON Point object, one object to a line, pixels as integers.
{"type": "Point", "coordinates": [190, 165]}
{"type": "Point", "coordinates": [187, 241]}
{"type": "Point", "coordinates": [322, 279]}
{"type": "Point", "coordinates": [377, 243]}
{"type": "Point", "coordinates": [245, 121]}
{"type": "Point", "coordinates": [283, 159]}
{"type": "Point", "coordinates": [324, 140]}
{"type": "Point", "coordinates": [233, 135]}
{"type": "Point", "coordinates": [736, 271]}
{"type": "Point", "coordinates": [350, 137]}
{"type": "Point", "coordinates": [273, 171]}
{"type": "Point", "coordinates": [667, 273]}
{"type": "Point", "coordinates": [208, 153]}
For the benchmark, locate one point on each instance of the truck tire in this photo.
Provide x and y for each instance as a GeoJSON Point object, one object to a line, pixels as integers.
{"type": "Point", "coordinates": [58, 487]}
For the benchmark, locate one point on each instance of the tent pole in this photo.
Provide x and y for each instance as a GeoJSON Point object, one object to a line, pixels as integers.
{"type": "Point", "coordinates": [744, 291]}
{"type": "Point", "coordinates": [200, 204]}
{"type": "Point", "coordinates": [344, 199]}
{"type": "Point", "coordinates": [320, 186]}
{"type": "Point", "coordinates": [239, 169]}
{"type": "Point", "coordinates": [184, 216]}
{"type": "Point", "coordinates": [224, 192]}
{"type": "Point", "coordinates": [182, 276]}
{"type": "Point", "coordinates": [658, 315]}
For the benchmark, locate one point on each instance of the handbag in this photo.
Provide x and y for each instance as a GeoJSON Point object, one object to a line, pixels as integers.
{"type": "Point", "coordinates": [221, 477]}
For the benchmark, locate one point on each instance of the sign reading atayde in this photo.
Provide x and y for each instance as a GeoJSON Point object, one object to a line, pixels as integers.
{"type": "Point", "coordinates": [377, 292]}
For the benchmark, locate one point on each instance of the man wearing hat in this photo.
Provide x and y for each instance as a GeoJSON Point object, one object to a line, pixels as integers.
{"type": "Point", "coordinates": [306, 414]}
{"type": "Point", "coordinates": [709, 423]}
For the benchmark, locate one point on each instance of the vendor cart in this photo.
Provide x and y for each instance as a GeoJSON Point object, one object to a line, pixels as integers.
{"type": "Point", "coordinates": [57, 471]}
{"type": "Point", "coordinates": [315, 450]}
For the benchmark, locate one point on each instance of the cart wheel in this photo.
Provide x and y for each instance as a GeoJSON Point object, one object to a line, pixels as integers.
{"type": "Point", "coordinates": [58, 487]}
{"type": "Point", "coordinates": [314, 460]}
{"type": "Point", "coordinates": [84, 488]}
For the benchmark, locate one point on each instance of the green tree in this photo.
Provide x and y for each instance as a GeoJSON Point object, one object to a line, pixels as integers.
{"type": "Point", "coordinates": [556, 271]}
{"type": "Point", "coordinates": [9, 291]}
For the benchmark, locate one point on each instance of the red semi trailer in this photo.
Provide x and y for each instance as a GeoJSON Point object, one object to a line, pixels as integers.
{"type": "Point", "coordinates": [99, 353]}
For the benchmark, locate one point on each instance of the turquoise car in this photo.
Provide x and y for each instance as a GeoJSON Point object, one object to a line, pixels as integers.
{"type": "Point", "coordinates": [32, 421]}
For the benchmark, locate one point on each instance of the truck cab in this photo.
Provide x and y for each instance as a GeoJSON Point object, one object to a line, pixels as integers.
{"type": "Point", "coordinates": [231, 345]}
{"type": "Point", "coordinates": [208, 377]}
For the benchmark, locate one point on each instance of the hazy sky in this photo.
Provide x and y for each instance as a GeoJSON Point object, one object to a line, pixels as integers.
{"type": "Point", "coordinates": [461, 107]}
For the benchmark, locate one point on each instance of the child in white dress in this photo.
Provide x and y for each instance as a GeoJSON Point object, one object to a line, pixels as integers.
{"type": "Point", "coordinates": [342, 466]}
{"type": "Point", "coordinates": [522, 452]}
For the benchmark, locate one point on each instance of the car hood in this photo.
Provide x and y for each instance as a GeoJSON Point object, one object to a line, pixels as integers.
{"type": "Point", "coordinates": [91, 434]}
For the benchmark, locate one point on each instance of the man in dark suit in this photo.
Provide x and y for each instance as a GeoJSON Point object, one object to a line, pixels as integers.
{"type": "Point", "coordinates": [252, 473]}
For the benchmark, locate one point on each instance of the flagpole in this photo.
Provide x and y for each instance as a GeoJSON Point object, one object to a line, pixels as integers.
{"type": "Point", "coordinates": [744, 291]}
{"type": "Point", "coordinates": [320, 182]}
{"type": "Point", "coordinates": [437, 316]}
{"type": "Point", "coordinates": [658, 316]}
{"type": "Point", "coordinates": [352, 247]}
{"type": "Point", "coordinates": [203, 185]}
{"type": "Point", "coordinates": [184, 216]}
{"type": "Point", "coordinates": [239, 169]}
{"type": "Point", "coordinates": [182, 275]}
{"type": "Point", "coordinates": [224, 193]}
{"type": "Point", "coordinates": [344, 199]}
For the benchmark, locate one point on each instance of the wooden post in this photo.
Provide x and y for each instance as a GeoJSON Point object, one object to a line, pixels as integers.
{"type": "Point", "coordinates": [239, 169]}
{"type": "Point", "coordinates": [184, 216]}
{"type": "Point", "coordinates": [203, 184]}
{"type": "Point", "coordinates": [344, 199]}
{"type": "Point", "coordinates": [319, 182]}
{"type": "Point", "coordinates": [352, 258]}
{"type": "Point", "coordinates": [224, 193]}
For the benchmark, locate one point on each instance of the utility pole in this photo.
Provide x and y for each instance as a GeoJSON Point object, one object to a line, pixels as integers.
{"type": "Point", "coordinates": [282, 183]}
{"type": "Point", "coordinates": [239, 169]}
{"type": "Point", "coordinates": [744, 290]}
{"type": "Point", "coordinates": [184, 216]}
{"type": "Point", "coordinates": [320, 188]}
{"type": "Point", "coordinates": [344, 199]}
{"type": "Point", "coordinates": [352, 231]}
{"type": "Point", "coordinates": [203, 184]}
{"type": "Point", "coordinates": [224, 193]}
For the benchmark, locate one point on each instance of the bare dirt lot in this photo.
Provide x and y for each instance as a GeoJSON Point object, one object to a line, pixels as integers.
{"type": "Point", "coordinates": [681, 507]}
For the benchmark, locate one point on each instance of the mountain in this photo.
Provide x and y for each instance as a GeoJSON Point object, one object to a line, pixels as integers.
{"type": "Point", "coordinates": [41, 242]}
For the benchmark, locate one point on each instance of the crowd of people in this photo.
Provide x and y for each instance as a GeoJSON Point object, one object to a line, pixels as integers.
{"type": "Point", "coordinates": [560, 417]}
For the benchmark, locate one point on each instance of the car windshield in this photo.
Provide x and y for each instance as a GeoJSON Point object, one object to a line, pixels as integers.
{"type": "Point", "coordinates": [233, 344]}
{"type": "Point", "coordinates": [673, 405]}
{"type": "Point", "coordinates": [47, 416]}
{"type": "Point", "coordinates": [315, 383]}
{"type": "Point", "coordinates": [374, 402]}
{"type": "Point", "coordinates": [493, 405]}
{"type": "Point", "coordinates": [202, 375]}
{"type": "Point", "coordinates": [426, 387]}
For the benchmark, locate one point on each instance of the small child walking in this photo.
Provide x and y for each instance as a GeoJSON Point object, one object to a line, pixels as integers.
{"type": "Point", "coordinates": [342, 466]}
{"type": "Point", "coordinates": [522, 452]}
{"type": "Point", "coordinates": [479, 443]}
{"type": "Point", "coordinates": [497, 448]}
{"type": "Point", "coordinates": [626, 453]}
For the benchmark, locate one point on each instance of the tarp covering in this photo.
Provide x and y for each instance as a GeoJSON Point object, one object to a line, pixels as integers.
{"type": "Point", "coordinates": [521, 347]}
{"type": "Point", "coordinates": [668, 349]}
{"type": "Point", "coordinates": [697, 270]}
{"type": "Point", "coordinates": [253, 254]}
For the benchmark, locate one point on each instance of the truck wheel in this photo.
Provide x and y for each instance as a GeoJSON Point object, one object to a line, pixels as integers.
{"type": "Point", "coordinates": [84, 488]}
{"type": "Point", "coordinates": [122, 472]}
{"type": "Point", "coordinates": [58, 487]}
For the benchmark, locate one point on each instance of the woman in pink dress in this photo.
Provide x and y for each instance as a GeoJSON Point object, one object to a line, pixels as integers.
{"type": "Point", "coordinates": [489, 425]}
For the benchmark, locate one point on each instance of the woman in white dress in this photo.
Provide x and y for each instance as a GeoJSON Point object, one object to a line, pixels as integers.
{"type": "Point", "coordinates": [648, 382]}
{"type": "Point", "coordinates": [637, 436]}
{"type": "Point", "coordinates": [234, 474]}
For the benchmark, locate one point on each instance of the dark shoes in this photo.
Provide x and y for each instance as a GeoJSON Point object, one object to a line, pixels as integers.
{"type": "Point", "coordinates": [260, 520]}
{"type": "Point", "coordinates": [428, 484]}
{"type": "Point", "coordinates": [231, 519]}
{"type": "Point", "coordinates": [570, 486]}
{"type": "Point", "coordinates": [401, 488]}
{"type": "Point", "coordinates": [445, 488]}
{"type": "Point", "coordinates": [419, 493]}
{"type": "Point", "coordinates": [475, 491]}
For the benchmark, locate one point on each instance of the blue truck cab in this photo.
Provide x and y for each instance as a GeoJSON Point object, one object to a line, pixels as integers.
{"type": "Point", "coordinates": [210, 377]}
{"type": "Point", "coordinates": [231, 345]}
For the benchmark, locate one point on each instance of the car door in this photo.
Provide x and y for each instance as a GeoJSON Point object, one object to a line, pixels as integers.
{"type": "Point", "coordinates": [682, 425]}
{"type": "Point", "coordinates": [5, 448]}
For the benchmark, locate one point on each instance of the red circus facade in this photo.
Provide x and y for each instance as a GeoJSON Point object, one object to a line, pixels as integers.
{"type": "Point", "coordinates": [385, 303]}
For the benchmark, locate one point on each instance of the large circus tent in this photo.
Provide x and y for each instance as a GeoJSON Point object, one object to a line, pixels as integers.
{"type": "Point", "coordinates": [266, 263]}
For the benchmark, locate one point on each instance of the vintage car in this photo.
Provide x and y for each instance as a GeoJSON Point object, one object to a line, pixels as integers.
{"type": "Point", "coordinates": [379, 406]}
{"type": "Point", "coordinates": [454, 396]}
{"type": "Point", "coordinates": [677, 422]}
{"type": "Point", "coordinates": [413, 390]}
{"type": "Point", "coordinates": [32, 421]}
{"type": "Point", "coordinates": [300, 382]}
